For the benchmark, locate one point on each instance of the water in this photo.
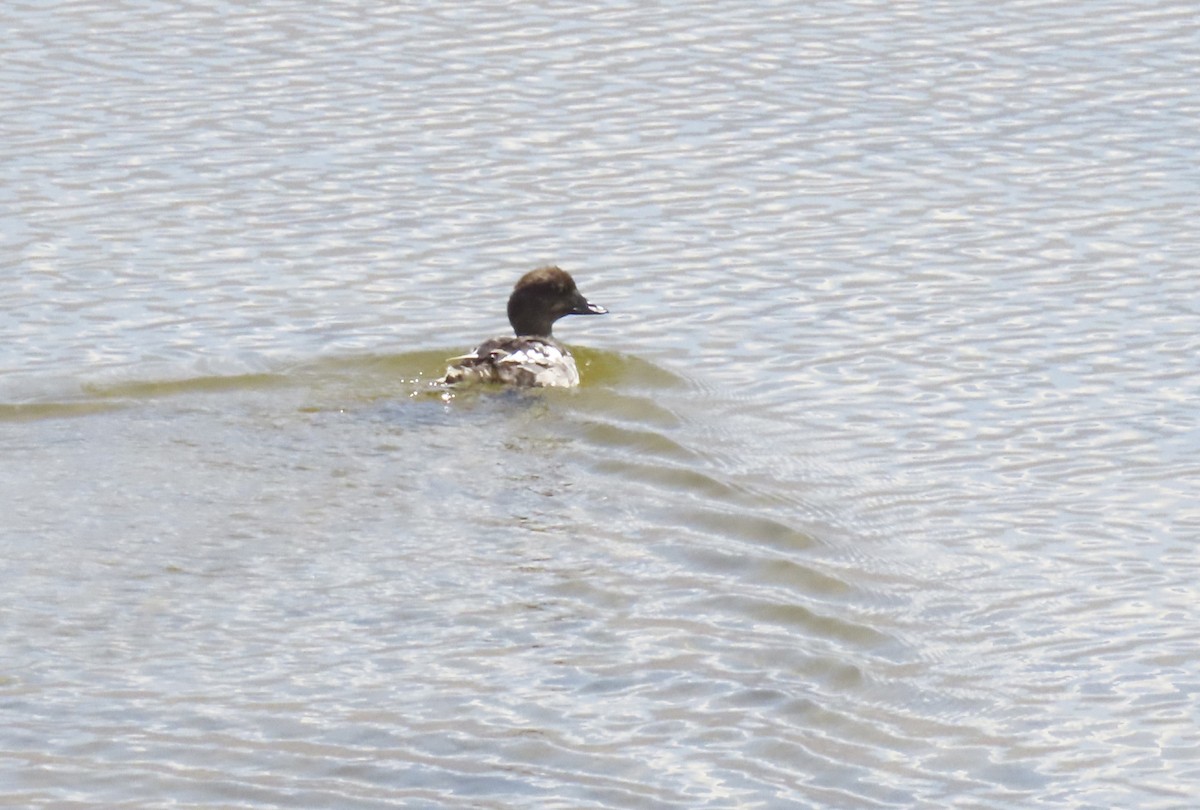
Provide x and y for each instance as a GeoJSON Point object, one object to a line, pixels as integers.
{"type": "Point", "coordinates": [881, 489]}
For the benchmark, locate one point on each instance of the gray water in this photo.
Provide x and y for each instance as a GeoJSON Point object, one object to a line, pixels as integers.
{"type": "Point", "coordinates": [882, 488]}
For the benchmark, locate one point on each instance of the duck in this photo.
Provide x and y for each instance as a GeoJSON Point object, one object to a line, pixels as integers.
{"type": "Point", "coordinates": [532, 358]}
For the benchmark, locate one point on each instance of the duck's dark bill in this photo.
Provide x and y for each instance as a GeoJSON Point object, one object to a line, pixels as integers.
{"type": "Point", "coordinates": [584, 308]}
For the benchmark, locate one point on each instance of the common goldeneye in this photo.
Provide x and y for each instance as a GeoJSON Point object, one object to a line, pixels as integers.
{"type": "Point", "coordinates": [532, 359]}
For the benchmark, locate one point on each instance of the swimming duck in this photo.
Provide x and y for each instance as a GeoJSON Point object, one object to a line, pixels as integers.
{"type": "Point", "coordinates": [533, 358]}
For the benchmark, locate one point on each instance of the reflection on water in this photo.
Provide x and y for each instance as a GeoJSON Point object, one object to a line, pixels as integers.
{"type": "Point", "coordinates": [880, 489]}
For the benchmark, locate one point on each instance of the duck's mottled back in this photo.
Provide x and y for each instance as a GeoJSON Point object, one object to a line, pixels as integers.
{"type": "Point", "coordinates": [527, 362]}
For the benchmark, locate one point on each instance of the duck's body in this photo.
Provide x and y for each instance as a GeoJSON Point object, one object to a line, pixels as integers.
{"type": "Point", "coordinates": [533, 358]}
{"type": "Point", "coordinates": [526, 362]}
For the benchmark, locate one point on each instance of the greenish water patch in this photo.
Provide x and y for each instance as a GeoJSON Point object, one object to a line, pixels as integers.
{"type": "Point", "coordinates": [155, 389]}
{"type": "Point", "coordinates": [332, 382]}
{"type": "Point", "coordinates": [601, 368]}
{"type": "Point", "coordinates": [35, 411]}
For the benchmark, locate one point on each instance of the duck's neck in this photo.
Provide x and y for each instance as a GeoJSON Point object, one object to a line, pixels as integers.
{"type": "Point", "coordinates": [526, 325]}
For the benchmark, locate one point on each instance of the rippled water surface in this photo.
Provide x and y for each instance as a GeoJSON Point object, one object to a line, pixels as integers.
{"type": "Point", "coordinates": [882, 488]}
